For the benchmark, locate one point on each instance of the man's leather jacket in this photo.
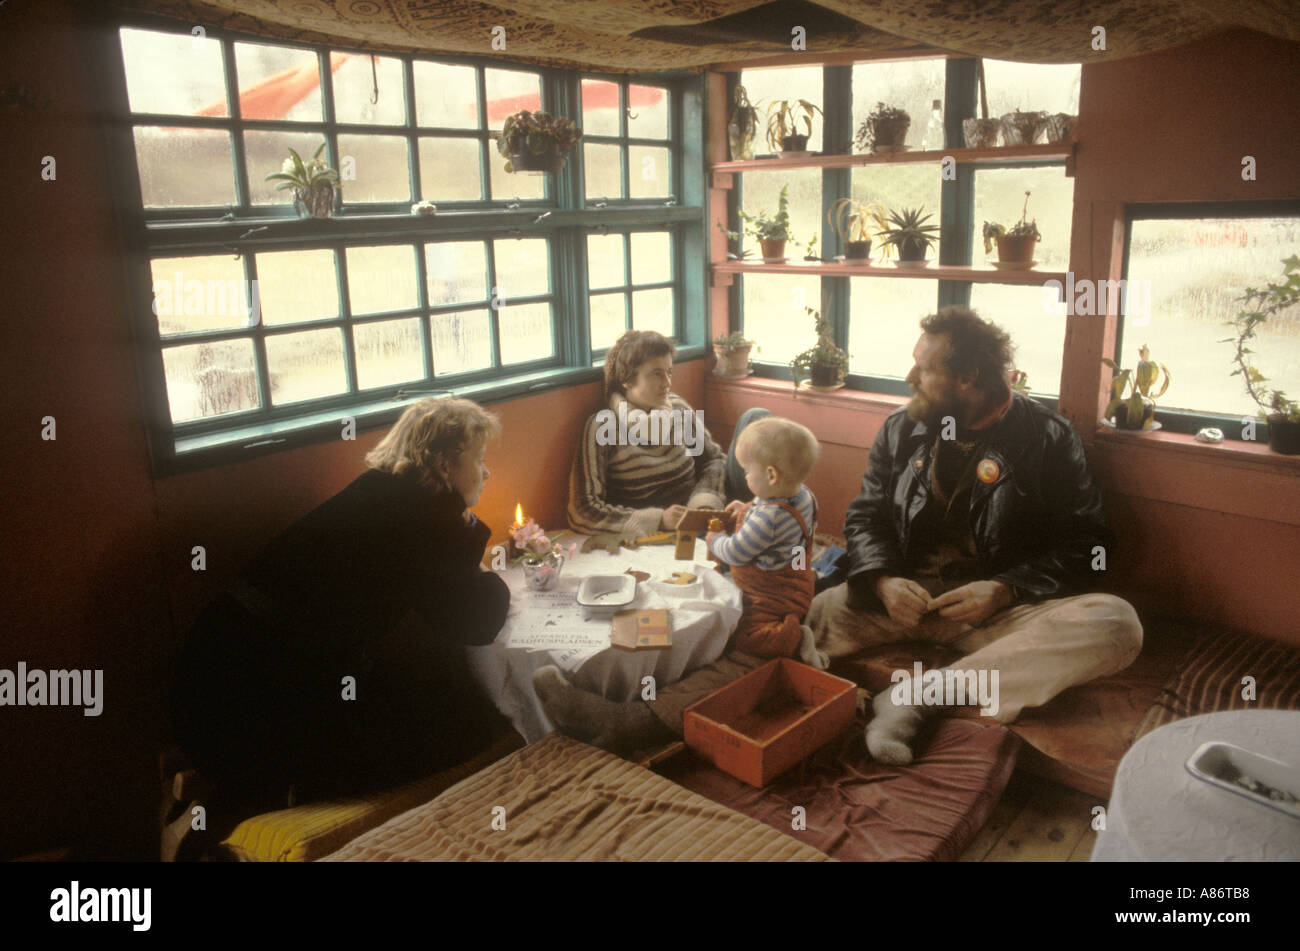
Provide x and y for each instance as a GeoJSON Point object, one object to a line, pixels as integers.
{"type": "Point", "coordinates": [1036, 524]}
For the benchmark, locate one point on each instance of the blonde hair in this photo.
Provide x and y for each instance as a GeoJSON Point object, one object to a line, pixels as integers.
{"type": "Point", "coordinates": [430, 431]}
{"type": "Point", "coordinates": [787, 446]}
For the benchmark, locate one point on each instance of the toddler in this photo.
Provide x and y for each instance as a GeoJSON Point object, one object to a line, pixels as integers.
{"type": "Point", "coordinates": [769, 553]}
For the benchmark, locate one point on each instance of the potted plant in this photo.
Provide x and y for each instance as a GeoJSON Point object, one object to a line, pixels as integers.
{"type": "Point", "coordinates": [536, 141]}
{"type": "Point", "coordinates": [1138, 410]}
{"type": "Point", "coordinates": [981, 133]}
{"type": "Point", "coordinates": [771, 232]}
{"type": "Point", "coordinates": [1282, 414]}
{"type": "Point", "coordinates": [742, 127]}
{"type": "Point", "coordinates": [852, 221]}
{"type": "Point", "coordinates": [1019, 380]}
{"type": "Point", "coordinates": [1021, 128]}
{"type": "Point", "coordinates": [1015, 245]}
{"type": "Point", "coordinates": [783, 118]}
{"type": "Point", "coordinates": [885, 129]}
{"type": "Point", "coordinates": [824, 364]}
{"type": "Point", "coordinates": [732, 351]}
{"type": "Point", "coordinates": [908, 233]}
{"type": "Point", "coordinates": [810, 250]}
{"type": "Point", "coordinates": [313, 183]}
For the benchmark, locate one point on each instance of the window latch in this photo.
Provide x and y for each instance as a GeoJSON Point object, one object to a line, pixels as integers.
{"type": "Point", "coordinates": [538, 219]}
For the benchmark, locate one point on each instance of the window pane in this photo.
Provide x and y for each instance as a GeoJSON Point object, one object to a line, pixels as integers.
{"type": "Point", "coordinates": [912, 86]}
{"type": "Point", "coordinates": [276, 82]}
{"type": "Point", "coordinates": [774, 314]}
{"type": "Point", "coordinates": [388, 353]}
{"type": "Point", "coordinates": [790, 84]}
{"type": "Point", "coordinates": [509, 91]}
{"type": "Point", "coordinates": [173, 74]}
{"type": "Point", "coordinates": [184, 167]}
{"type": "Point", "coordinates": [200, 293]}
{"type": "Point", "coordinates": [461, 342]}
{"type": "Point", "coordinates": [885, 322]}
{"type": "Point", "coordinates": [457, 271]}
{"type": "Point", "coordinates": [1031, 87]}
{"type": "Point", "coordinates": [380, 165]}
{"type": "Point", "coordinates": [1184, 278]}
{"type": "Point", "coordinates": [608, 319]}
{"type": "Point", "coordinates": [382, 279]}
{"type": "Point", "coordinates": [526, 333]}
{"type": "Point", "coordinates": [297, 286]}
{"type": "Point", "coordinates": [599, 107]}
{"type": "Point", "coordinates": [896, 188]}
{"type": "Point", "coordinates": [1035, 318]}
{"type": "Point", "coordinates": [449, 170]}
{"type": "Point", "coordinates": [652, 260]}
{"type": "Point", "coordinates": [604, 170]}
{"type": "Point", "coordinates": [648, 112]}
{"type": "Point", "coordinates": [653, 310]}
{"type": "Point", "coordinates": [605, 260]}
{"type": "Point", "coordinates": [210, 379]}
{"type": "Point", "coordinates": [505, 185]}
{"type": "Point", "coordinates": [650, 172]}
{"type": "Point", "coordinates": [354, 89]}
{"type": "Point", "coordinates": [266, 152]}
{"type": "Point", "coordinates": [762, 192]}
{"type": "Point", "coordinates": [446, 96]}
{"type": "Point", "coordinates": [1000, 196]}
{"type": "Point", "coordinates": [305, 366]}
{"type": "Point", "coordinates": [523, 267]}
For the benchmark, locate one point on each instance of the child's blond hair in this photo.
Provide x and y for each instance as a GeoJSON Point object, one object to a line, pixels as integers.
{"type": "Point", "coordinates": [787, 446]}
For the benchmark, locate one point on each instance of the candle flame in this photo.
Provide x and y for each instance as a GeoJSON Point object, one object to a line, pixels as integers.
{"type": "Point", "coordinates": [519, 514]}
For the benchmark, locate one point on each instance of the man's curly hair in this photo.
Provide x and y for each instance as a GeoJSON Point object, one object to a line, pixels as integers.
{"type": "Point", "coordinates": [975, 345]}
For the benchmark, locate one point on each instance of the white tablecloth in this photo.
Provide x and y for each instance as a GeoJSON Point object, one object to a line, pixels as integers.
{"type": "Point", "coordinates": [1161, 812]}
{"type": "Point", "coordinates": [703, 616]}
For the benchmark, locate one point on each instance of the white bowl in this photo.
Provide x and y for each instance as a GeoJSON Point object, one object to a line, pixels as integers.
{"type": "Point", "coordinates": [602, 595]}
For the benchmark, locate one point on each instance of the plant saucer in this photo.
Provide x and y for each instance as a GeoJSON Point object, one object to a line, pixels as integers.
{"type": "Point", "coordinates": [785, 155]}
{"type": "Point", "coordinates": [1013, 265]}
{"type": "Point", "coordinates": [825, 389]}
{"type": "Point", "coordinates": [912, 264]}
{"type": "Point", "coordinates": [1110, 424]}
{"type": "Point", "coordinates": [890, 149]}
{"type": "Point", "coordinates": [775, 260]}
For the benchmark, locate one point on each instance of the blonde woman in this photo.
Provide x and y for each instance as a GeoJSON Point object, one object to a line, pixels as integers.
{"type": "Point", "coordinates": [301, 681]}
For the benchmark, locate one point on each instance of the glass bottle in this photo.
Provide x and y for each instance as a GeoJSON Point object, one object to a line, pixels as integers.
{"type": "Point", "coordinates": [932, 141]}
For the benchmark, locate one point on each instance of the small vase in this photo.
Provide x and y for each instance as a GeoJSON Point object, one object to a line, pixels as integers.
{"type": "Point", "coordinates": [981, 133]}
{"type": "Point", "coordinates": [314, 202]}
{"type": "Point", "coordinates": [773, 251]}
{"type": "Point", "coordinates": [541, 574]}
{"type": "Point", "coordinates": [1021, 128]}
{"type": "Point", "coordinates": [1058, 128]}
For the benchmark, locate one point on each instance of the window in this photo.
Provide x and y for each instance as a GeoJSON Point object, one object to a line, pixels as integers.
{"type": "Point", "coordinates": [876, 318]}
{"type": "Point", "coordinates": [264, 328]}
{"type": "Point", "coordinates": [1185, 269]}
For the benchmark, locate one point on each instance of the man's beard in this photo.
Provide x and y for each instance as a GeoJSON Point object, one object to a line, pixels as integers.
{"type": "Point", "coordinates": [922, 410]}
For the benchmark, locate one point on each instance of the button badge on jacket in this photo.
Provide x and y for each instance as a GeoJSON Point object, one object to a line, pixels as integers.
{"type": "Point", "coordinates": [987, 471]}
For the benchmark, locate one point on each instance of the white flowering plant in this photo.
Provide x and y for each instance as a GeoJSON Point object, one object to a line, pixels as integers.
{"type": "Point", "coordinates": [295, 173]}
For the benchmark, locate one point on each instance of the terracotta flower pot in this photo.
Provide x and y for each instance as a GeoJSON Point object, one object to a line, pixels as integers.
{"type": "Point", "coordinates": [1283, 436]}
{"type": "Point", "coordinates": [314, 202]}
{"type": "Point", "coordinates": [857, 250]}
{"type": "Point", "coordinates": [773, 251]}
{"type": "Point", "coordinates": [1016, 250]}
{"type": "Point", "coordinates": [888, 132]}
{"type": "Point", "coordinates": [732, 362]}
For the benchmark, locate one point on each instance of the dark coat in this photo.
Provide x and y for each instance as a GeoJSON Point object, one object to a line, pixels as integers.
{"type": "Point", "coordinates": [1035, 526]}
{"type": "Point", "coordinates": [381, 584]}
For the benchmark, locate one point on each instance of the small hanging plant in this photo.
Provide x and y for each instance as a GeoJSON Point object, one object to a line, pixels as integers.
{"type": "Point", "coordinates": [536, 141]}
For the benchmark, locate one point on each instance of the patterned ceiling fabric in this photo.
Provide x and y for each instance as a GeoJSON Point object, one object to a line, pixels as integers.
{"type": "Point", "coordinates": [642, 35]}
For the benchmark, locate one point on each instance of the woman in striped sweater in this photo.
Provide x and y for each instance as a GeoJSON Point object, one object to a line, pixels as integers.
{"type": "Point", "coordinates": [646, 457]}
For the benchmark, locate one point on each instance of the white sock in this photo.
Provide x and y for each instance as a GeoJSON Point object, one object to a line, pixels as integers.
{"type": "Point", "coordinates": [808, 652]}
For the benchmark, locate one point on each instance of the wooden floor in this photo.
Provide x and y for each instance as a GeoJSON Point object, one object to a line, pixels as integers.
{"type": "Point", "coordinates": [1036, 821]}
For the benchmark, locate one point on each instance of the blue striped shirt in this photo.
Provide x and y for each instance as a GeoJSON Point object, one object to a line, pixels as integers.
{"type": "Point", "coordinates": [769, 533]}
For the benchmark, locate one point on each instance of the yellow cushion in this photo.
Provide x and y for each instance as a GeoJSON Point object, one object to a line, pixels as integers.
{"type": "Point", "coordinates": [305, 833]}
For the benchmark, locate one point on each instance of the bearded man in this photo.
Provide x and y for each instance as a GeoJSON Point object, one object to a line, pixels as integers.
{"type": "Point", "coordinates": [978, 526]}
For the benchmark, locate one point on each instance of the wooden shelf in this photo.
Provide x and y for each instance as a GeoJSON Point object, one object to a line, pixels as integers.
{"type": "Point", "coordinates": [941, 272]}
{"type": "Point", "coordinates": [1006, 155]}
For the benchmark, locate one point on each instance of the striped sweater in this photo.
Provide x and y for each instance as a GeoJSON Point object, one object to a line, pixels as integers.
{"type": "Point", "coordinates": [767, 537]}
{"type": "Point", "coordinates": [619, 483]}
